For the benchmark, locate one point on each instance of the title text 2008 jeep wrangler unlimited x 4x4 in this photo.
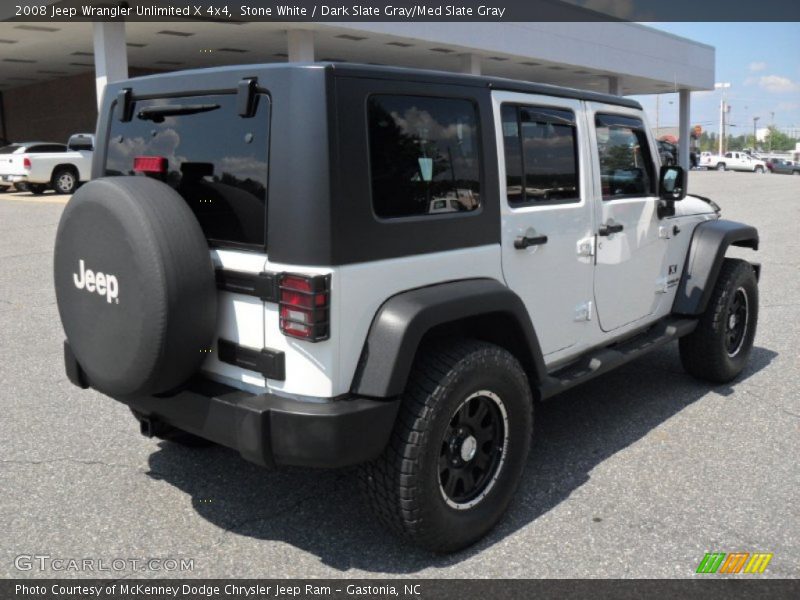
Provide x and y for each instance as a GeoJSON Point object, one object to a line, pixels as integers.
{"type": "Point", "coordinates": [329, 265]}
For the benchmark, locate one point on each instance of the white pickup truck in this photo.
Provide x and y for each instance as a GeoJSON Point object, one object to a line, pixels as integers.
{"type": "Point", "coordinates": [37, 166]}
{"type": "Point", "coordinates": [733, 161]}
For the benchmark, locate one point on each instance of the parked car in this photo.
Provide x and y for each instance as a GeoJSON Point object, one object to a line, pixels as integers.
{"type": "Point", "coordinates": [13, 160]}
{"type": "Point", "coordinates": [707, 160]}
{"type": "Point", "coordinates": [733, 161]}
{"type": "Point", "coordinates": [782, 166]}
{"type": "Point", "coordinates": [37, 166]}
{"type": "Point", "coordinates": [345, 322]}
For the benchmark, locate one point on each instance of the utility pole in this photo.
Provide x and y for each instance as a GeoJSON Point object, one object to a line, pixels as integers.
{"type": "Point", "coordinates": [658, 112]}
{"type": "Point", "coordinates": [771, 125]}
{"type": "Point", "coordinates": [722, 110]}
{"type": "Point", "coordinates": [755, 138]}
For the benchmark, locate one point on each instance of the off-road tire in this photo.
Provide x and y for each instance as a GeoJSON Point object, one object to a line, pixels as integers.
{"type": "Point", "coordinates": [703, 352]}
{"type": "Point", "coordinates": [404, 486]}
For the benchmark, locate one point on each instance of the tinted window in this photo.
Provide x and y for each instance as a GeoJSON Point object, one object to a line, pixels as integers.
{"type": "Point", "coordinates": [80, 142]}
{"type": "Point", "coordinates": [216, 160]}
{"type": "Point", "coordinates": [10, 149]}
{"type": "Point", "coordinates": [47, 148]}
{"type": "Point", "coordinates": [424, 155]}
{"type": "Point", "coordinates": [626, 166]}
{"type": "Point", "coordinates": [541, 155]}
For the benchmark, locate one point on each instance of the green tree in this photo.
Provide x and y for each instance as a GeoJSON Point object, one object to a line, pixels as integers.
{"type": "Point", "coordinates": [708, 142]}
{"type": "Point", "coordinates": [736, 142]}
{"type": "Point", "coordinates": [778, 141]}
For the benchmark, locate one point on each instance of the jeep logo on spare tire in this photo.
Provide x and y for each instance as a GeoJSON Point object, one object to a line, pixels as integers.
{"type": "Point", "coordinates": [101, 283]}
{"type": "Point", "coordinates": [137, 237]}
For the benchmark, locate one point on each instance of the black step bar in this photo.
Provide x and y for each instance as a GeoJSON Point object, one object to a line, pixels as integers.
{"type": "Point", "coordinates": [597, 362]}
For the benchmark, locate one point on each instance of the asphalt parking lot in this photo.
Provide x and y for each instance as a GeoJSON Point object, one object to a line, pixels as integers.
{"type": "Point", "coordinates": [635, 474]}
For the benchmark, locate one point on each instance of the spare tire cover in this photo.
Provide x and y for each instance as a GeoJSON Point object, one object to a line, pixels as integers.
{"type": "Point", "coordinates": [135, 286]}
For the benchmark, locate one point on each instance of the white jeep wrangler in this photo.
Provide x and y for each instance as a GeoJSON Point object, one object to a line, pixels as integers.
{"type": "Point", "coordinates": [329, 265]}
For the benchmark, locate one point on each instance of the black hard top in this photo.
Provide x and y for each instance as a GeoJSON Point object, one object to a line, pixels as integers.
{"type": "Point", "coordinates": [495, 83]}
{"type": "Point", "coordinates": [417, 75]}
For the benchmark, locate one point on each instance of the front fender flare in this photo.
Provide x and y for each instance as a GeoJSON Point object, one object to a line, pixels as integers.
{"type": "Point", "coordinates": [710, 241]}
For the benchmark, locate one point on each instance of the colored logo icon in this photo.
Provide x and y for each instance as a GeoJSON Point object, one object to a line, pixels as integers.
{"type": "Point", "coordinates": [734, 562]}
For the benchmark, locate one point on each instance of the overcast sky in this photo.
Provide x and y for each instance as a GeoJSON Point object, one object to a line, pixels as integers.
{"type": "Point", "coordinates": [761, 61]}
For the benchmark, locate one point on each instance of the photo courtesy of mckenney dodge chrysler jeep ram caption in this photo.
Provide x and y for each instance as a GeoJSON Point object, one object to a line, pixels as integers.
{"type": "Point", "coordinates": [329, 265]}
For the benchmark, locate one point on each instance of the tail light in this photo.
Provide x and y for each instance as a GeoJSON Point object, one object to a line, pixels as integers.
{"type": "Point", "coordinates": [150, 164]}
{"type": "Point", "coordinates": [26, 163]}
{"type": "Point", "coordinates": [305, 306]}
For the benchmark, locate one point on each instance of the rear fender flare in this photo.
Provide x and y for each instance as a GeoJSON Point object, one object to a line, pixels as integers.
{"type": "Point", "coordinates": [402, 322]}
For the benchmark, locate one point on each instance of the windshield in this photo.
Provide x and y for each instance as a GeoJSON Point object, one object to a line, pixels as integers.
{"type": "Point", "coordinates": [215, 159]}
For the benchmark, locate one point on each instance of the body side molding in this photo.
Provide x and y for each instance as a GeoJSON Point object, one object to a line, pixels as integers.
{"type": "Point", "coordinates": [404, 319]}
{"type": "Point", "coordinates": [710, 241]}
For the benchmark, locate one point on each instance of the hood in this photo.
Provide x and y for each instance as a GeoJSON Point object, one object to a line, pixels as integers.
{"type": "Point", "coordinates": [695, 205]}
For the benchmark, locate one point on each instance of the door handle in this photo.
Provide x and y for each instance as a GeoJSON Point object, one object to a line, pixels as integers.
{"type": "Point", "coordinates": [608, 229]}
{"type": "Point", "coordinates": [523, 241]}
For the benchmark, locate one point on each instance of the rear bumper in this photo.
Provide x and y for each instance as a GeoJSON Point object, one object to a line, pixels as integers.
{"type": "Point", "coordinates": [267, 429]}
{"type": "Point", "coordinates": [13, 178]}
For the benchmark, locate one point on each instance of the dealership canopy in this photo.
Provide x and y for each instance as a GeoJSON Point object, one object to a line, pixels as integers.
{"type": "Point", "coordinates": [52, 74]}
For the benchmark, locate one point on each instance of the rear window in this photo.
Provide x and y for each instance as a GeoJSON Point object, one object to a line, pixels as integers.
{"type": "Point", "coordinates": [215, 159]}
{"type": "Point", "coordinates": [80, 142]}
{"type": "Point", "coordinates": [10, 149]}
{"type": "Point", "coordinates": [424, 155]}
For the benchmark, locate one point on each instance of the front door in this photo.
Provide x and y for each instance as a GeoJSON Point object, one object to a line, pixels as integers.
{"type": "Point", "coordinates": [631, 253]}
{"type": "Point", "coordinates": [547, 220]}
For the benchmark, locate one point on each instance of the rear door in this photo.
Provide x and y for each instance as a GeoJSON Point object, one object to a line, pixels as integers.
{"type": "Point", "coordinates": [631, 252]}
{"type": "Point", "coordinates": [547, 219]}
{"type": "Point", "coordinates": [217, 161]}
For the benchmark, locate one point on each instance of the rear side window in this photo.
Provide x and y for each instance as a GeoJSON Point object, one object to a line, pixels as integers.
{"type": "Point", "coordinates": [47, 148]}
{"type": "Point", "coordinates": [541, 155]}
{"type": "Point", "coordinates": [215, 159]}
{"type": "Point", "coordinates": [626, 165]}
{"type": "Point", "coordinates": [424, 155]}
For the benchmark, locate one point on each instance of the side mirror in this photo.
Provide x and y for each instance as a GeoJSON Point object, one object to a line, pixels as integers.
{"type": "Point", "coordinates": [672, 183]}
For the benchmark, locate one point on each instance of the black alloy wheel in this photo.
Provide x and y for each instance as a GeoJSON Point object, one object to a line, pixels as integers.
{"type": "Point", "coordinates": [473, 450]}
{"type": "Point", "coordinates": [736, 326]}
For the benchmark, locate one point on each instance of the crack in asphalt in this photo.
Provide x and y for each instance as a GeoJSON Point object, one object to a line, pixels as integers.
{"type": "Point", "coordinates": [26, 254]}
{"type": "Point", "coordinates": [69, 459]}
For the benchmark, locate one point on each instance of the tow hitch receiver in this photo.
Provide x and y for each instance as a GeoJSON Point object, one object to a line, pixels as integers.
{"type": "Point", "coordinates": [152, 427]}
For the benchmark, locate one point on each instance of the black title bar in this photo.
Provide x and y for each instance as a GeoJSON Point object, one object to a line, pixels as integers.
{"type": "Point", "coordinates": [240, 11]}
{"type": "Point", "coordinates": [397, 589]}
